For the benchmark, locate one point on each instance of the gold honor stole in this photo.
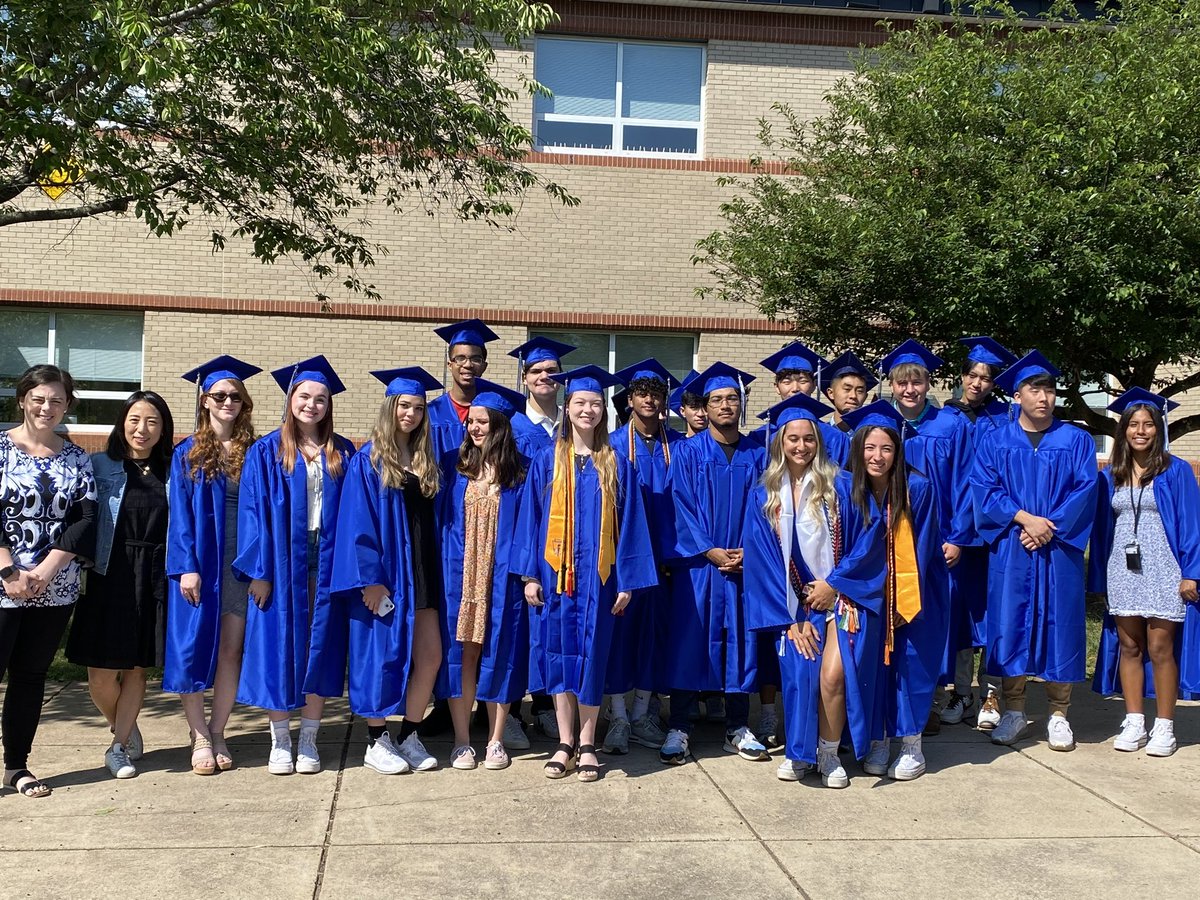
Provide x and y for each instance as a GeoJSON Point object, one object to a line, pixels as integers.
{"type": "Point", "coordinates": [560, 531]}
{"type": "Point", "coordinates": [902, 588]}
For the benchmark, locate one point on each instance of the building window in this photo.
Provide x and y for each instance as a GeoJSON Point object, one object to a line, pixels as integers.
{"type": "Point", "coordinates": [619, 97]}
{"type": "Point", "coordinates": [102, 351]}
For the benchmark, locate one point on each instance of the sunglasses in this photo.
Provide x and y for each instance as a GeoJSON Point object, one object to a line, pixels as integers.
{"type": "Point", "coordinates": [219, 397]}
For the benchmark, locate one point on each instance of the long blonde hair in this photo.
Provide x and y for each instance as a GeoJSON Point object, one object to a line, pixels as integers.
{"type": "Point", "coordinates": [289, 438]}
{"type": "Point", "coordinates": [385, 451]}
{"type": "Point", "coordinates": [824, 474]}
{"type": "Point", "coordinates": [207, 455]}
{"type": "Point", "coordinates": [603, 457]}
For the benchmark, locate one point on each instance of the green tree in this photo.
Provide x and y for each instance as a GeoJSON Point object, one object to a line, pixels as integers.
{"type": "Point", "coordinates": [285, 119]}
{"type": "Point", "coordinates": [1038, 182]}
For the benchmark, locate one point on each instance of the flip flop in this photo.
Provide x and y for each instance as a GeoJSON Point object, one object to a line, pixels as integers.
{"type": "Point", "coordinates": [31, 788]}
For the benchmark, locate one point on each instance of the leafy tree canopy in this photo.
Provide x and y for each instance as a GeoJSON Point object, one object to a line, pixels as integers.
{"type": "Point", "coordinates": [284, 118]}
{"type": "Point", "coordinates": [1036, 182]}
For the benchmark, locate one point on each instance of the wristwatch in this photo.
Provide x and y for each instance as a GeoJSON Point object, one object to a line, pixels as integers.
{"type": "Point", "coordinates": [7, 572]}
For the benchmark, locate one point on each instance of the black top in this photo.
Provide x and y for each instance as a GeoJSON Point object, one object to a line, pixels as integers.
{"type": "Point", "coordinates": [423, 550]}
{"type": "Point", "coordinates": [729, 449]}
{"type": "Point", "coordinates": [1035, 437]}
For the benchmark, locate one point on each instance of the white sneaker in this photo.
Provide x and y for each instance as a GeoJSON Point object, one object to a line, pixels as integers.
{"type": "Point", "coordinates": [383, 758]}
{"type": "Point", "coordinates": [1058, 731]}
{"type": "Point", "coordinates": [415, 754]}
{"type": "Point", "coordinates": [876, 760]}
{"type": "Point", "coordinates": [674, 751]}
{"type": "Point", "coordinates": [497, 757]}
{"type": "Point", "coordinates": [1133, 735]}
{"type": "Point", "coordinates": [768, 724]}
{"type": "Point", "coordinates": [647, 732]}
{"type": "Point", "coordinates": [117, 761]}
{"type": "Point", "coordinates": [910, 764]}
{"type": "Point", "coordinates": [989, 713]}
{"type": "Point", "coordinates": [308, 760]}
{"type": "Point", "coordinates": [547, 723]}
{"type": "Point", "coordinates": [792, 770]}
{"type": "Point", "coordinates": [134, 746]}
{"type": "Point", "coordinates": [1162, 738]}
{"type": "Point", "coordinates": [462, 757]}
{"type": "Point", "coordinates": [832, 773]}
{"type": "Point", "coordinates": [280, 760]}
{"type": "Point", "coordinates": [514, 734]}
{"type": "Point", "coordinates": [745, 744]}
{"type": "Point", "coordinates": [956, 708]}
{"type": "Point", "coordinates": [1011, 728]}
{"type": "Point", "coordinates": [616, 739]}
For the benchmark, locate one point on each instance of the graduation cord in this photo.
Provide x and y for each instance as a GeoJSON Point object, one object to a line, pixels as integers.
{"type": "Point", "coordinates": [662, 434]}
{"type": "Point", "coordinates": [845, 612]}
{"type": "Point", "coordinates": [902, 590]}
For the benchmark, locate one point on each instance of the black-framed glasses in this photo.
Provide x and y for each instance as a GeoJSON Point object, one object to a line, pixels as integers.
{"type": "Point", "coordinates": [219, 397]}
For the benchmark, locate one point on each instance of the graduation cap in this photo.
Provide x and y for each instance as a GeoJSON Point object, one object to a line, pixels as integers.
{"type": "Point", "coordinates": [675, 400]}
{"type": "Point", "coordinates": [648, 368]}
{"type": "Point", "coordinates": [468, 331]}
{"type": "Point", "coordinates": [220, 368]}
{"type": "Point", "coordinates": [620, 401]}
{"type": "Point", "coordinates": [1141, 397]}
{"type": "Point", "coordinates": [407, 380]}
{"type": "Point", "coordinates": [715, 377]}
{"type": "Point", "coordinates": [911, 352]}
{"type": "Point", "coordinates": [846, 364]}
{"type": "Point", "coordinates": [989, 352]}
{"type": "Point", "coordinates": [586, 378]}
{"type": "Point", "coordinates": [794, 356]}
{"type": "Point", "coordinates": [794, 409]}
{"type": "Point", "coordinates": [1031, 365]}
{"type": "Point", "coordinates": [503, 400]}
{"type": "Point", "coordinates": [539, 349]}
{"type": "Point", "coordinates": [880, 414]}
{"type": "Point", "coordinates": [315, 369]}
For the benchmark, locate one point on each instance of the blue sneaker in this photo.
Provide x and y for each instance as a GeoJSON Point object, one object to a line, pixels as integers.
{"type": "Point", "coordinates": [674, 751]}
{"type": "Point", "coordinates": [745, 744]}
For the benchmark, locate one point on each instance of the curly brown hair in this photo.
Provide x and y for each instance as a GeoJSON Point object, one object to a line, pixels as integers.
{"type": "Point", "coordinates": [207, 455]}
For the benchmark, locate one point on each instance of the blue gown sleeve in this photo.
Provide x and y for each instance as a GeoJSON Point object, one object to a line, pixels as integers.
{"type": "Point", "coordinates": [1102, 535]}
{"type": "Point", "coordinates": [256, 514]}
{"type": "Point", "coordinates": [181, 524]}
{"type": "Point", "coordinates": [765, 585]}
{"type": "Point", "coordinates": [961, 527]}
{"type": "Point", "coordinates": [1182, 507]}
{"type": "Point", "coordinates": [1075, 514]}
{"type": "Point", "coordinates": [692, 537]}
{"type": "Point", "coordinates": [528, 549]}
{"type": "Point", "coordinates": [636, 569]}
{"type": "Point", "coordinates": [994, 509]}
{"type": "Point", "coordinates": [358, 555]}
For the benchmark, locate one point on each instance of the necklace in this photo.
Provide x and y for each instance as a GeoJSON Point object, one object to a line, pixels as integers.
{"type": "Point", "coordinates": [143, 466]}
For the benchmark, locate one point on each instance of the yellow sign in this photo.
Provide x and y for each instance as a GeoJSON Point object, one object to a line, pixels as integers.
{"type": "Point", "coordinates": [59, 181]}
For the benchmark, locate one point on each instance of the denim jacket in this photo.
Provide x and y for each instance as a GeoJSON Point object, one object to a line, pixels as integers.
{"type": "Point", "coordinates": [110, 491]}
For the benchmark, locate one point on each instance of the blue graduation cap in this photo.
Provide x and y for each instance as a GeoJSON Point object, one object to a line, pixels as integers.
{"type": "Point", "coordinates": [1028, 366]}
{"type": "Point", "coordinates": [675, 400]}
{"type": "Point", "coordinates": [586, 378]}
{"type": "Point", "coordinates": [648, 368]}
{"type": "Point", "coordinates": [794, 356]}
{"type": "Point", "coordinates": [846, 364]}
{"type": "Point", "coordinates": [407, 380]}
{"type": "Point", "coordinates": [1141, 397]}
{"type": "Point", "coordinates": [315, 369]}
{"type": "Point", "coordinates": [539, 349]}
{"type": "Point", "coordinates": [717, 376]}
{"type": "Point", "coordinates": [880, 414]}
{"type": "Point", "coordinates": [219, 369]}
{"type": "Point", "coordinates": [793, 409]}
{"type": "Point", "coordinates": [911, 352]}
{"type": "Point", "coordinates": [468, 331]}
{"type": "Point", "coordinates": [503, 400]}
{"type": "Point", "coordinates": [988, 351]}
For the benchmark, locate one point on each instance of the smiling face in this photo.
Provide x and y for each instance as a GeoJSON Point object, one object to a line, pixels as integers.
{"type": "Point", "coordinates": [143, 429]}
{"type": "Point", "coordinates": [799, 443]}
{"type": "Point", "coordinates": [479, 425]}
{"type": "Point", "coordinates": [44, 406]}
{"type": "Point", "coordinates": [309, 403]}
{"type": "Point", "coordinates": [467, 362]}
{"type": "Point", "coordinates": [909, 390]}
{"type": "Point", "coordinates": [879, 454]}
{"type": "Point", "coordinates": [848, 392]}
{"type": "Point", "coordinates": [647, 405]}
{"type": "Point", "coordinates": [977, 384]}
{"type": "Point", "coordinates": [1141, 431]}
{"type": "Point", "coordinates": [538, 381]}
{"type": "Point", "coordinates": [410, 410]}
{"type": "Point", "coordinates": [584, 409]}
{"type": "Point", "coordinates": [223, 401]}
{"type": "Point", "coordinates": [794, 381]}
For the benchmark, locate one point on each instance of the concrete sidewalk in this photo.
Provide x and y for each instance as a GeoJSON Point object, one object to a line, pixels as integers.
{"type": "Point", "coordinates": [984, 821]}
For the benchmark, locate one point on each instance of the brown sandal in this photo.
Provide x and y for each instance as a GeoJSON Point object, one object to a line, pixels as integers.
{"type": "Point", "coordinates": [203, 762]}
{"type": "Point", "coordinates": [588, 772]}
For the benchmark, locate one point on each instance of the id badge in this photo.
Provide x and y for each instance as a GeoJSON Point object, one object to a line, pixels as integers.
{"type": "Point", "coordinates": [1133, 557]}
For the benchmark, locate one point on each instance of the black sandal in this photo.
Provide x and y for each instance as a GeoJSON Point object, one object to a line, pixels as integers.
{"type": "Point", "coordinates": [587, 771]}
{"type": "Point", "coordinates": [555, 769]}
{"type": "Point", "coordinates": [32, 788]}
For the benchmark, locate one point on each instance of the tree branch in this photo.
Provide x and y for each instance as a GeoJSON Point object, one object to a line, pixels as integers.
{"type": "Point", "coordinates": [186, 15]}
{"type": "Point", "coordinates": [54, 214]}
{"type": "Point", "coordinates": [1183, 384]}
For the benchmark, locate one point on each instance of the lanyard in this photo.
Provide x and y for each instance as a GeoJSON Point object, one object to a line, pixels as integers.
{"type": "Point", "coordinates": [1137, 507]}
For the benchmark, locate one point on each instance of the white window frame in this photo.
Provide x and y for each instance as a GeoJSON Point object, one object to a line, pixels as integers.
{"type": "Point", "coordinates": [51, 348]}
{"type": "Point", "coordinates": [618, 122]}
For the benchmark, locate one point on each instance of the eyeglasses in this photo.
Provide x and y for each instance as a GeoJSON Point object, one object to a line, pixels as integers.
{"type": "Point", "coordinates": [461, 361]}
{"type": "Point", "coordinates": [725, 401]}
{"type": "Point", "coordinates": [219, 397]}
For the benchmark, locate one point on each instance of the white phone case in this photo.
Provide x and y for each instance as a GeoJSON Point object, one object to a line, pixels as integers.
{"type": "Point", "coordinates": [385, 606]}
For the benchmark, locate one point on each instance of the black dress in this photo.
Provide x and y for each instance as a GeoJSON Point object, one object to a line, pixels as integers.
{"type": "Point", "coordinates": [422, 536]}
{"type": "Point", "coordinates": [121, 619]}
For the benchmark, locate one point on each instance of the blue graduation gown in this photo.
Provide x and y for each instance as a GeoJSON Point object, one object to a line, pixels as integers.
{"type": "Point", "coordinates": [278, 666]}
{"type": "Point", "coordinates": [1178, 499]}
{"type": "Point", "coordinates": [1035, 604]}
{"type": "Point", "coordinates": [710, 647]}
{"type": "Point", "coordinates": [767, 611]}
{"type": "Point", "coordinates": [446, 428]}
{"type": "Point", "coordinates": [641, 631]}
{"type": "Point", "coordinates": [531, 438]}
{"type": "Point", "coordinates": [941, 451]}
{"type": "Point", "coordinates": [371, 547]}
{"type": "Point", "coordinates": [570, 637]}
{"type": "Point", "coordinates": [195, 542]}
{"type": "Point", "coordinates": [504, 660]}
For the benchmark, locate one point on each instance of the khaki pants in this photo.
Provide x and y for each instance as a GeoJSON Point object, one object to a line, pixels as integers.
{"type": "Point", "coordinates": [1058, 694]}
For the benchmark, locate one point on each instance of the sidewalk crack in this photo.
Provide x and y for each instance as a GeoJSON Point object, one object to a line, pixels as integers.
{"type": "Point", "coordinates": [337, 790]}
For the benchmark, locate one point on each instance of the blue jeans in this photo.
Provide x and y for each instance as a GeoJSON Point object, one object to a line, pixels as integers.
{"type": "Point", "coordinates": [737, 710]}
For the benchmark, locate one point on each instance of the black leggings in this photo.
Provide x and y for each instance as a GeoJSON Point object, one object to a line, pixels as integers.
{"type": "Point", "coordinates": [29, 636]}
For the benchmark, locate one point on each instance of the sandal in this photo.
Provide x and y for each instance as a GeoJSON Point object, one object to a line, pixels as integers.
{"type": "Point", "coordinates": [555, 769]}
{"type": "Point", "coordinates": [203, 762]}
{"type": "Point", "coordinates": [32, 787]}
{"type": "Point", "coordinates": [587, 771]}
{"type": "Point", "coordinates": [221, 751]}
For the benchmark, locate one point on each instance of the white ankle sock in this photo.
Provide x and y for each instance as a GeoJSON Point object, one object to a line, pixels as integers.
{"type": "Point", "coordinates": [824, 746]}
{"type": "Point", "coordinates": [310, 725]}
{"type": "Point", "coordinates": [281, 733]}
{"type": "Point", "coordinates": [617, 710]}
{"type": "Point", "coordinates": [1137, 718]}
{"type": "Point", "coordinates": [641, 705]}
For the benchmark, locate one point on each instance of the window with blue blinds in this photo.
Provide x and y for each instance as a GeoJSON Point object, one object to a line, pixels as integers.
{"type": "Point", "coordinates": [619, 97]}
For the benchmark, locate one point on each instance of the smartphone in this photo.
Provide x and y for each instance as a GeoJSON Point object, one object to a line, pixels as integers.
{"type": "Point", "coordinates": [385, 606]}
